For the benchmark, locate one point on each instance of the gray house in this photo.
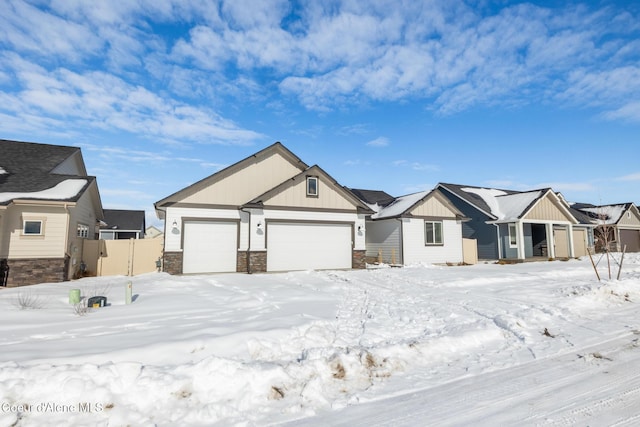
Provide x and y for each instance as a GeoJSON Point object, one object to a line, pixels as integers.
{"type": "Point", "coordinates": [519, 225]}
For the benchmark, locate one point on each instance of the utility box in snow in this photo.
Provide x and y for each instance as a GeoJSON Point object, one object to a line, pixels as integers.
{"type": "Point", "coordinates": [96, 302]}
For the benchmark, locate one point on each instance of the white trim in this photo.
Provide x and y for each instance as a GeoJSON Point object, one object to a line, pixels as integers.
{"type": "Point", "coordinates": [434, 243]}
{"type": "Point", "coordinates": [24, 227]}
{"type": "Point", "coordinates": [514, 235]}
{"type": "Point", "coordinates": [307, 182]}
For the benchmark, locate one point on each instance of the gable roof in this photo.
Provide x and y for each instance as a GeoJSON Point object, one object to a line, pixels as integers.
{"type": "Point", "coordinates": [313, 170]}
{"type": "Point", "coordinates": [396, 207]}
{"type": "Point", "coordinates": [28, 171]}
{"type": "Point", "coordinates": [277, 147]}
{"type": "Point", "coordinates": [120, 219]}
{"type": "Point", "coordinates": [476, 196]}
{"type": "Point", "coordinates": [373, 197]}
{"type": "Point", "coordinates": [505, 205]}
{"type": "Point", "coordinates": [605, 214]}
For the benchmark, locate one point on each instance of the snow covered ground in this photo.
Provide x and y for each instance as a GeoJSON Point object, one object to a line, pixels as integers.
{"type": "Point", "coordinates": [530, 344]}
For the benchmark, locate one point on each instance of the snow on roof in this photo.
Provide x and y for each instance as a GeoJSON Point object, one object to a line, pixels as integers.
{"type": "Point", "coordinates": [512, 206]}
{"type": "Point", "coordinates": [399, 206]}
{"type": "Point", "coordinates": [67, 189]}
{"type": "Point", "coordinates": [502, 204]}
{"type": "Point", "coordinates": [606, 214]}
{"type": "Point", "coordinates": [489, 196]}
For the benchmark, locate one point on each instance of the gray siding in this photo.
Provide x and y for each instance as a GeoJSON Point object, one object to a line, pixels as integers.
{"type": "Point", "coordinates": [507, 252]}
{"type": "Point", "coordinates": [477, 228]}
{"type": "Point", "coordinates": [384, 235]}
{"type": "Point", "coordinates": [528, 240]}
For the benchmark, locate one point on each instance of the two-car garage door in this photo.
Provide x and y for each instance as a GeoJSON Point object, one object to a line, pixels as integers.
{"type": "Point", "coordinates": [308, 245]}
{"type": "Point", "coordinates": [211, 246]}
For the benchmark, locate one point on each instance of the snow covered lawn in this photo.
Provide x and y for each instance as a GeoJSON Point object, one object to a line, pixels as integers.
{"type": "Point", "coordinates": [533, 344]}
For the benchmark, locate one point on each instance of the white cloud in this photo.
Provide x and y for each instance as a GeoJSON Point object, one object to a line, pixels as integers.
{"type": "Point", "coordinates": [100, 100]}
{"type": "Point", "coordinates": [379, 142]}
{"type": "Point", "coordinates": [630, 177]}
{"type": "Point", "coordinates": [417, 166]}
{"type": "Point", "coordinates": [450, 55]}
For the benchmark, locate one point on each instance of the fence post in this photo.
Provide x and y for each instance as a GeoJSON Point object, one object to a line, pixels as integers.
{"type": "Point", "coordinates": [128, 292]}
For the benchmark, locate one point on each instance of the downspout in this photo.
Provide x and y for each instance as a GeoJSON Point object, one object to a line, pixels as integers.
{"type": "Point", "coordinates": [248, 262]}
{"type": "Point", "coordinates": [498, 240]}
{"type": "Point", "coordinates": [401, 241]}
{"type": "Point", "coordinates": [67, 249]}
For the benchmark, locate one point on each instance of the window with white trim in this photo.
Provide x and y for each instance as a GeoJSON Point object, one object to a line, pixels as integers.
{"type": "Point", "coordinates": [32, 228]}
{"type": "Point", "coordinates": [83, 231]}
{"type": "Point", "coordinates": [513, 238]}
{"type": "Point", "coordinates": [433, 233]}
{"type": "Point", "coordinates": [312, 186]}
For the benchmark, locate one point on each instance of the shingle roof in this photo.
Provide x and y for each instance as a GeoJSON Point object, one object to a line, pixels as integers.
{"type": "Point", "coordinates": [373, 197]}
{"type": "Point", "coordinates": [474, 198]}
{"type": "Point", "coordinates": [27, 168]}
{"type": "Point", "coordinates": [118, 219]}
{"type": "Point", "coordinates": [605, 214]}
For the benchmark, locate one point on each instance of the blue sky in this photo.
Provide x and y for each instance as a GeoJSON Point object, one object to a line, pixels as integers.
{"type": "Point", "coordinates": [391, 95]}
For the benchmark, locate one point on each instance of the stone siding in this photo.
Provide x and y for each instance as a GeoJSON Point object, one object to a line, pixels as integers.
{"type": "Point", "coordinates": [358, 260]}
{"type": "Point", "coordinates": [258, 261]}
{"type": "Point", "coordinates": [172, 262]}
{"type": "Point", "coordinates": [24, 272]}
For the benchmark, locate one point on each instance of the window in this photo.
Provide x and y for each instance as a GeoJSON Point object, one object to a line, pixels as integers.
{"type": "Point", "coordinates": [83, 231]}
{"type": "Point", "coordinates": [433, 233]}
{"type": "Point", "coordinates": [513, 240]}
{"type": "Point", "coordinates": [32, 228]}
{"type": "Point", "coordinates": [312, 186]}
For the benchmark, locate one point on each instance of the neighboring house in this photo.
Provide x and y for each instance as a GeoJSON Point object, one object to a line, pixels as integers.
{"type": "Point", "coordinates": [621, 222]}
{"type": "Point", "coordinates": [121, 224]}
{"type": "Point", "coordinates": [152, 232]}
{"type": "Point", "coordinates": [268, 212]}
{"type": "Point", "coordinates": [519, 225]}
{"type": "Point", "coordinates": [420, 227]}
{"type": "Point", "coordinates": [48, 207]}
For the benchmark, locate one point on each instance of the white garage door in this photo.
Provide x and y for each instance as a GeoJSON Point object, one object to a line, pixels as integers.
{"type": "Point", "coordinates": [308, 246]}
{"type": "Point", "coordinates": [210, 246]}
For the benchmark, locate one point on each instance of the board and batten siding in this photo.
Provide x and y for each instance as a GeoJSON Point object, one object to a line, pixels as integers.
{"type": "Point", "coordinates": [246, 183]}
{"type": "Point", "coordinates": [629, 220]}
{"type": "Point", "coordinates": [432, 207]}
{"type": "Point", "coordinates": [384, 236]}
{"type": "Point", "coordinates": [296, 196]}
{"type": "Point", "coordinates": [546, 210]}
{"type": "Point", "coordinates": [415, 250]}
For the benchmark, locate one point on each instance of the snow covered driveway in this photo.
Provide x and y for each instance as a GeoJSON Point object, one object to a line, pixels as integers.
{"type": "Point", "coordinates": [530, 344]}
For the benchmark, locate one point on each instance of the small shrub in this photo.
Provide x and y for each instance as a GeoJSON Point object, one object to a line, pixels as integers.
{"type": "Point", "coordinates": [28, 301]}
{"type": "Point", "coordinates": [81, 309]}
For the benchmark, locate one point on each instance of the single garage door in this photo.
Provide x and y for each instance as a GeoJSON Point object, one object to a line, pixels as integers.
{"type": "Point", "coordinates": [308, 246]}
{"type": "Point", "coordinates": [579, 242]}
{"type": "Point", "coordinates": [631, 238]}
{"type": "Point", "coordinates": [210, 246]}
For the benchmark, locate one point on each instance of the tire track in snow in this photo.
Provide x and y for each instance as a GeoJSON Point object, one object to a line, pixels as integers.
{"type": "Point", "coordinates": [521, 395]}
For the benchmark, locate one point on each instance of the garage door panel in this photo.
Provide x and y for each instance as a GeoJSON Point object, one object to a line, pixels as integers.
{"type": "Point", "coordinates": [210, 246]}
{"type": "Point", "coordinates": [631, 238]}
{"type": "Point", "coordinates": [308, 246]}
{"type": "Point", "coordinates": [579, 242]}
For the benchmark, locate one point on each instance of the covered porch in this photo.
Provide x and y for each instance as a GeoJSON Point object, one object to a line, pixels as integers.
{"type": "Point", "coordinates": [535, 240]}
